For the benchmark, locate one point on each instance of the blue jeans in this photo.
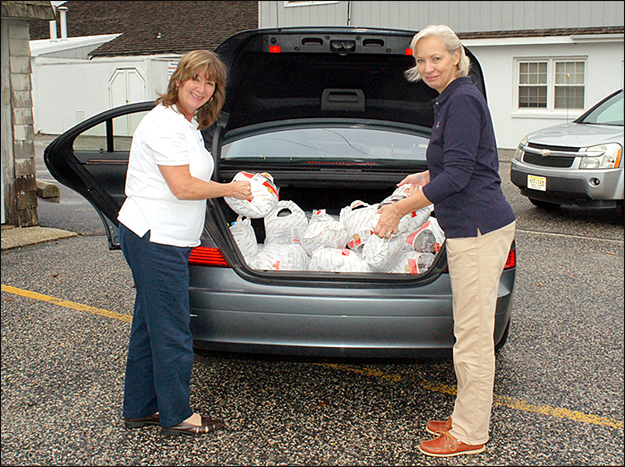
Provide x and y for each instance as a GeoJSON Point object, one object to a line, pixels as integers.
{"type": "Point", "coordinates": [160, 352]}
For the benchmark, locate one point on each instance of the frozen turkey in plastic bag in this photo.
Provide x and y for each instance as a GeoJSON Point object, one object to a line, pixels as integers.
{"type": "Point", "coordinates": [358, 219]}
{"type": "Point", "coordinates": [415, 219]}
{"type": "Point", "coordinates": [276, 257]}
{"type": "Point", "coordinates": [401, 192]}
{"type": "Point", "coordinates": [243, 233]}
{"type": "Point", "coordinates": [265, 196]}
{"type": "Point", "coordinates": [285, 224]}
{"type": "Point", "coordinates": [413, 262]}
{"type": "Point", "coordinates": [337, 260]}
{"type": "Point", "coordinates": [381, 254]}
{"type": "Point", "coordinates": [323, 231]}
{"type": "Point", "coordinates": [409, 222]}
{"type": "Point", "coordinates": [428, 238]}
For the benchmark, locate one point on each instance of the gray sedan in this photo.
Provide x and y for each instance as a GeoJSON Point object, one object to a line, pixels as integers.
{"type": "Point", "coordinates": [330, 116]}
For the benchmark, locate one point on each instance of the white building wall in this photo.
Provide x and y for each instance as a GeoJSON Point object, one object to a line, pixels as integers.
{"type": "Point", "coordinates": [604, 75]}
{"type": "Point", "coordinates": [461, 16]}
{"type": "Point", "coordinates": [79, 89]}
{"type": "Point", "coordinates": [270, 14]}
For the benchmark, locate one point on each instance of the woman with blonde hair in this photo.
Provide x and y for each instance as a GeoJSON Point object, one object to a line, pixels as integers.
{"type": "Point", "coordinates": [463, 183]}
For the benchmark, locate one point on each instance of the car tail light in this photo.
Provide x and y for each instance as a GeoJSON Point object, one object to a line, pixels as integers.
{"type": "Point", "coordinates": [511, 261]}
{"type": "Point", "coordinates": [204, 256]}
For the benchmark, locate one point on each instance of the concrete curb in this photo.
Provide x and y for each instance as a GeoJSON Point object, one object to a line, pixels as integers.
{"type": "Point", "coordinates": [15, 237]}
{"type": "Point", "coordinates": [47, 190]}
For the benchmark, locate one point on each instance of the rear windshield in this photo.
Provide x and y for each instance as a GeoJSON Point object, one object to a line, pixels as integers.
{"type": "Point", "coordinates": [329, 144]}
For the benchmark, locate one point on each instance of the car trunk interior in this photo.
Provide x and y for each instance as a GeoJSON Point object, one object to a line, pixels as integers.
{"type": "Point", "coordinates": [269, 87]}
{"type": "Point", "coordinates": [310, 198]}
{"type": "Point", "coordinates": [316, 77]}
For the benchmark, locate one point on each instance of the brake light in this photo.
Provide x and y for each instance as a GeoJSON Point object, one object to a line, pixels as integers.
{"type": "Point", "coordinates": [274, 49]}
{"type": "Point", "coordinates": [204, 256]}
{"type": "Point", "coordinates": [408, 51]}
{"type": "Point", "coordinates": [511, 261]}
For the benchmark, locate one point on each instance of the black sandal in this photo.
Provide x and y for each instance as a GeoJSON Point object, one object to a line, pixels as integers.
{"type": "Point", "coordinates": [141, 422]}
{"type": "Point", "coordinates": [184, 428]}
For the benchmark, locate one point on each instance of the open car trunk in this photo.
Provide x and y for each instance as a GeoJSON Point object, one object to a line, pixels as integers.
{"type": "Point", "coordinates": [355, 127]}
{"type": "Point", "coordinates": [337, 171]}
{"type": "Point", "coordinates": [304, 82]}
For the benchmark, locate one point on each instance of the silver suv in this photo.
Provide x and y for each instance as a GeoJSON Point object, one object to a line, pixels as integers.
{"type": "Point", "coordinates": [575, 164]}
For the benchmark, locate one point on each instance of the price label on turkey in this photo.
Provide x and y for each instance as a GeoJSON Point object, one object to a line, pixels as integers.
{"type": "Point", "coordinates": [536, 183]}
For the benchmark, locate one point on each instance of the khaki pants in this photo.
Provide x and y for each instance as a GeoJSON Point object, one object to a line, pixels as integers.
{"type": "Point", "coordinates": [475, 266]}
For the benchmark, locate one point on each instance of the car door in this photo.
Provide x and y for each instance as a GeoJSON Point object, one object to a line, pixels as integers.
{"type": "Point", "coordinates": [92, 159]}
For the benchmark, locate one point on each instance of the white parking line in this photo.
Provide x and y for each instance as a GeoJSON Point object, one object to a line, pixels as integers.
{"type": "Point", "coordinates": [580, 237]}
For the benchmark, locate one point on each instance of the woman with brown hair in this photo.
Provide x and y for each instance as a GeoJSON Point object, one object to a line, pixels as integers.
{"type": "Point", "coordinates": [167, 185]}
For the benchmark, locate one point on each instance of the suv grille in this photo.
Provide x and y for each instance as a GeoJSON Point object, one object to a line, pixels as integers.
{"type": "Point", "coordinates": [549, 161]}
{"type": "Point", "coordinates": [553, 148]}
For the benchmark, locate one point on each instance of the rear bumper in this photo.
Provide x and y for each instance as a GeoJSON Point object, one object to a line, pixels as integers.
{"type": "Point", "coordinates": [334, 322]}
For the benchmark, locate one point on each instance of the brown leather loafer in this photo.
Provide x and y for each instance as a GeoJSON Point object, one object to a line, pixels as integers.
{"type": "Point", "coordinates": [436, 427]}
{"type": "Point", "coordinates": [141, 422]}
{"type": "Point", "coordinates": [446, 445]}
{"type": "Point", "coordinates": [187, 429]}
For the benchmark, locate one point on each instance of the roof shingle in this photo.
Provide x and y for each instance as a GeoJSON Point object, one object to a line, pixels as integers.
{"type": "Point", "coordinates": [153, 27]}
{"type": "Point", "coordinates": [542, 32]}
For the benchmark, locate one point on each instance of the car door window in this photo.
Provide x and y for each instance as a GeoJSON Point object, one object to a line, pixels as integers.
{"type": "Point", "coordinates": [103, 152]}
{"type": "Point", "coordinates": [100, 138]}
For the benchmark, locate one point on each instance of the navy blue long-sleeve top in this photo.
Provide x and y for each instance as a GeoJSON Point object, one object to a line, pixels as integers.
{"type": "Point", "coordinates": [465, 186]}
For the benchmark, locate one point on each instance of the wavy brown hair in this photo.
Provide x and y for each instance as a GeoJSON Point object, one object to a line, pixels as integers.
{"type": "Point", "coordinates": [191, 65]}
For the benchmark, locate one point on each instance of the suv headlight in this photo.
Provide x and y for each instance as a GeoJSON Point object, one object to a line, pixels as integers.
{"type": "Point", "coordinates": [608, 156]}
{"type": "Point", "coordinates": [518, 154]}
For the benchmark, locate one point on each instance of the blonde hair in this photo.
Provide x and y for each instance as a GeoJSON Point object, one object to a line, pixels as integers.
{"type": "Point", "coordinates": [191, 65]}
{"type": "Point", "coordinates": [450, 42]}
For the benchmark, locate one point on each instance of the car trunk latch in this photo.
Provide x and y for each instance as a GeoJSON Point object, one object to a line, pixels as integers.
{"type": "Point", "coordinates": [342, 46]}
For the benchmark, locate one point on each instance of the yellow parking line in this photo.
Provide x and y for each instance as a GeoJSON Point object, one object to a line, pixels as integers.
{"type": "Point", "coordinates": [363, 371]}
{"type": "Point", "coordinates": [531, 407]}
{"type": "Point", "coordinates": [66, 304]}
{"type": "Point", "coordinates": [497, 400]}
{"type": "Point", "coordinates": [436, 387]}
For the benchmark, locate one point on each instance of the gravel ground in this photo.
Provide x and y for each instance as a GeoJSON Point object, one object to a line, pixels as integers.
{"type": "Point", "coordinates": [559, 384]}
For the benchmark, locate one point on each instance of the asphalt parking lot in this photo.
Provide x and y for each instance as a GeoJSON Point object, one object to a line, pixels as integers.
{"type": "Point", "coordinates": [558, 388]}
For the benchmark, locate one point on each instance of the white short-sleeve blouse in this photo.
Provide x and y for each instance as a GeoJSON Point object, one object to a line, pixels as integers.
{"type": "Point", "coordinates": [165, 137]}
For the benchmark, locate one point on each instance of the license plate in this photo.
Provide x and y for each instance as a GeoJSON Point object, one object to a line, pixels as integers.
{"type": "Point", "coordinates": [536, 183]}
